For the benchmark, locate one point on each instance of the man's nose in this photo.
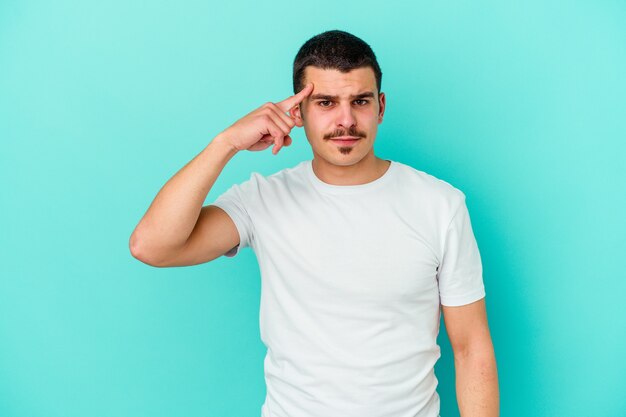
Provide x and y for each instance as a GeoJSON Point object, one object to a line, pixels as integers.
{"type": "Point", "coordinates": [345, 116]}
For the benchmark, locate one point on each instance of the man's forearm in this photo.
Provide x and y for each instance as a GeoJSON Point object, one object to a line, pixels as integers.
{"type": "Point", "coordinates": [477, 384]}
{"type": "Point", "coordinates": [174, 212]}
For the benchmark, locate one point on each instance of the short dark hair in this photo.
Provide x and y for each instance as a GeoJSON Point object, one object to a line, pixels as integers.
{"type": "Point", "coordinates": [334, 49]}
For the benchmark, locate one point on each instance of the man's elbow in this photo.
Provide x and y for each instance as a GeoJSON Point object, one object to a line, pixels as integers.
{"type": "Point", "coordinates": [136, 250]}
{"type": "Point", "coordinates": [479, 350]}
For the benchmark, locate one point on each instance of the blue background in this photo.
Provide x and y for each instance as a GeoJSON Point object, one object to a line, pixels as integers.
{"type": "Point", "coordinates": [519, 104]}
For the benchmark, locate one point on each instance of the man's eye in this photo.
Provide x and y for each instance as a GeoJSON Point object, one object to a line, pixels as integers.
{"type": "Point", "coordinates": [363, 102]}
{"type": "Point", "coordinates": [324, 101]}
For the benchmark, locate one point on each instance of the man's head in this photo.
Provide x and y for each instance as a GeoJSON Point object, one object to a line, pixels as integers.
{"type": "Point", "coordinates": [346, 98]}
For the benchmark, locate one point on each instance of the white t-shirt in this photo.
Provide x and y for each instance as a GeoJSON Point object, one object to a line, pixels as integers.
{"type": "Point", "coordinates": [352, 281]}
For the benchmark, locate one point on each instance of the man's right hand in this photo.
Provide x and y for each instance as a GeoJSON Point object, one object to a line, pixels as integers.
{"type": "Point", "coordinates": [268, 124]}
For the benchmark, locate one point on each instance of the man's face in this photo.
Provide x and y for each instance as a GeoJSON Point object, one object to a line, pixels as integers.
{"type": "Point", "coordinates": [341, 104]}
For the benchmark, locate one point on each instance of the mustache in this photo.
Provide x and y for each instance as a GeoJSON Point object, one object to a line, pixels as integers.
{"type": "Point", "coordinates": [352, 131]}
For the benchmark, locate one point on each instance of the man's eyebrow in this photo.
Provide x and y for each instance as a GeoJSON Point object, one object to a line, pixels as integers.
{"type": "Point", "coordinates": [329, 97]}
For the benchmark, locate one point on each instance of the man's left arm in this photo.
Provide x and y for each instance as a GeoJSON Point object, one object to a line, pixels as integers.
{"type": "Point", "coordinates": [474, 359]}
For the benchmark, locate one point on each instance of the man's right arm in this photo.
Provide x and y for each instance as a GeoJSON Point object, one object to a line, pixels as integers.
{"type": "Point", "coordinates": [176, 230]}
{"type": "Point", "coordinates": [168, 234]}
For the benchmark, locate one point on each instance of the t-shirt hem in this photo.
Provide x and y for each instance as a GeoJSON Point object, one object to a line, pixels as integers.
{"type": "Point", "coordinates": [238, 224]}
{"type": "Point", "coordinates": [462, 300]}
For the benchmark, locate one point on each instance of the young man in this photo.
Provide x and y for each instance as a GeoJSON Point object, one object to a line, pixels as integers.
{"type": "Point", "coordinates": [357, 253]}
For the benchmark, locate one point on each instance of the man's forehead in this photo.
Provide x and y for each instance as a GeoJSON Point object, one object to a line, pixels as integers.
{"type": "Point", "coordinates": [332, 82]}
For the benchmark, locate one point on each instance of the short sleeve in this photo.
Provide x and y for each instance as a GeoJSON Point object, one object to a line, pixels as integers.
{"type": "Point", "coordinates": [234, 202]}
{"type": "Point", "coordinates": [460, 273]}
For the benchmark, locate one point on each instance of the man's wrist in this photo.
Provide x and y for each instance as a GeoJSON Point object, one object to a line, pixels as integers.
{"type": "Point", "coordinates": [222, 142]}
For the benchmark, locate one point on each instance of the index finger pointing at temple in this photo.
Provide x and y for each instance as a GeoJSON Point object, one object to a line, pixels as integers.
{"type": "Point", "coordinates": [289, 102]}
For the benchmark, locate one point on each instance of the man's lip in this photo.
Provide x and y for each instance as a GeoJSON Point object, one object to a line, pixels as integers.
{"type": "Point", "coordinates": [346, 138]}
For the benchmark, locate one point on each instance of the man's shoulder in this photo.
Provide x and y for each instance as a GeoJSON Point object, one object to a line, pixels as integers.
{"type": "Point", "coordinates": [427, 183]}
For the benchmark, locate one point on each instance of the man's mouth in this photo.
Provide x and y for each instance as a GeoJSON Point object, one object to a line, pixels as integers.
{"type": "Point", "coordinates": [345, 140]}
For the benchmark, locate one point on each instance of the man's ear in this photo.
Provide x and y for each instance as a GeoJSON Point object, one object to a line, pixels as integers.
{"type": "Point", "coordinates": [296, 115]}
{"type": "Point", "coordinates": [382, 104]}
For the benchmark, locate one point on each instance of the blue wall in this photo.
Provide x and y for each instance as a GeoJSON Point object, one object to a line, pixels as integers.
{"type": "Point", "coordinates": [519, 104]}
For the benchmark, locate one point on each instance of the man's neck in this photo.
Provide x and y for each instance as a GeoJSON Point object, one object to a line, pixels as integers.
{"type": "Point", "coordinates": [367, 170]}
